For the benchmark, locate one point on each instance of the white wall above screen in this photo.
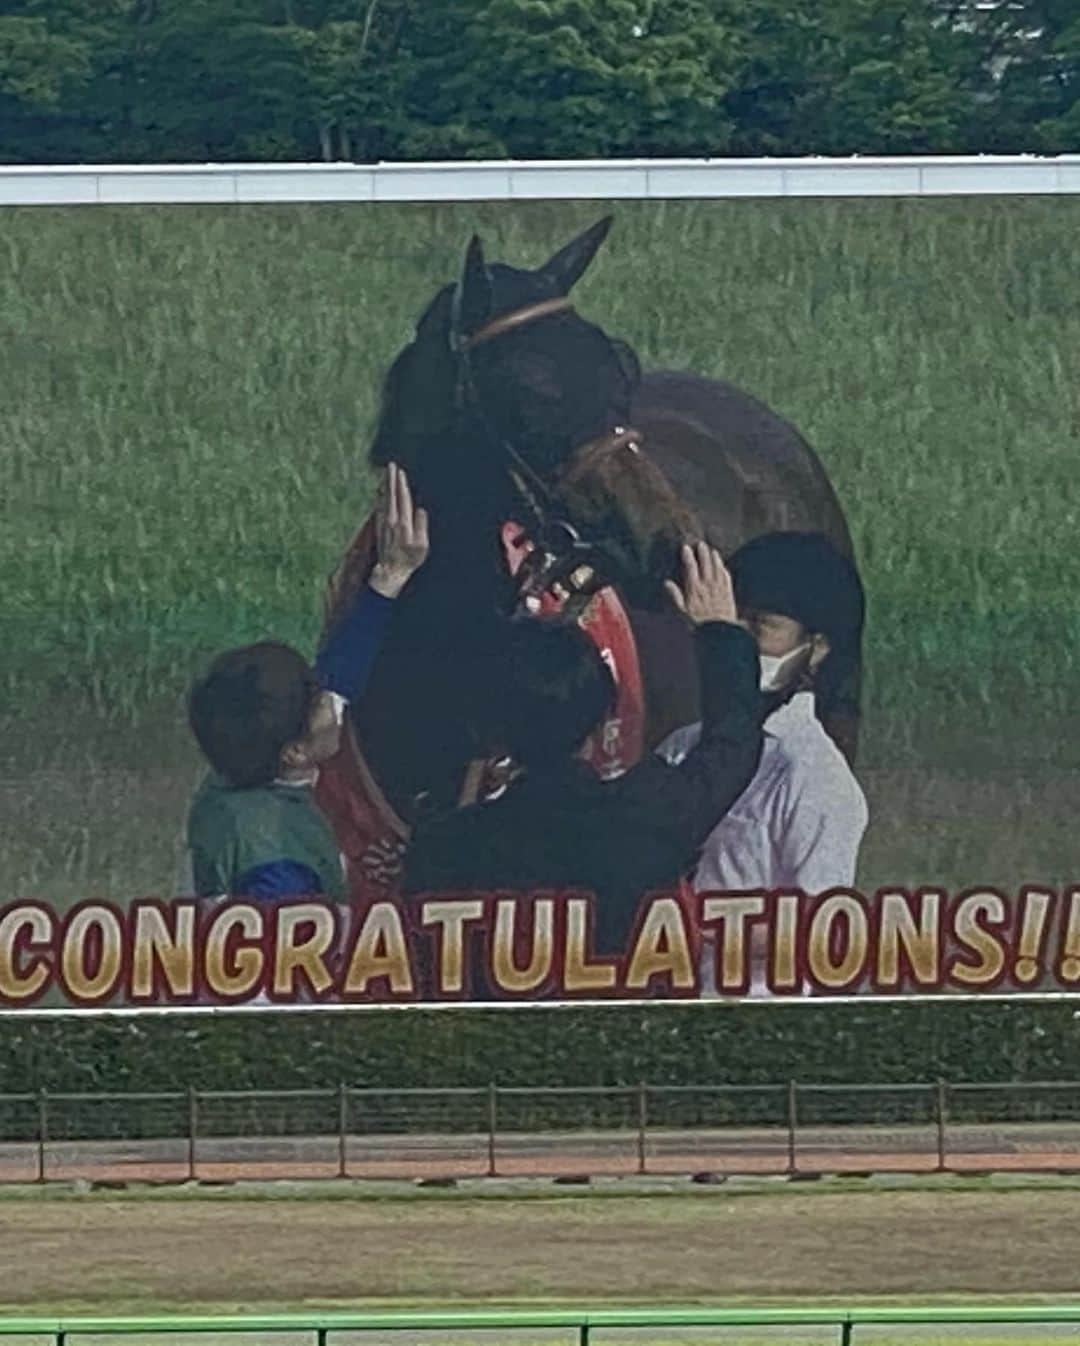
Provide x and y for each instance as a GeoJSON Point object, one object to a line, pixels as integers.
{"type": "Point", "coordinates": [508, 180]}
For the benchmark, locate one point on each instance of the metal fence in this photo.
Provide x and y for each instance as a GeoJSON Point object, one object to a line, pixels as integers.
{"type": "Point", "coordinates": [708, 1131]}
{"type": "Point", "coordinates": [848, 1327]}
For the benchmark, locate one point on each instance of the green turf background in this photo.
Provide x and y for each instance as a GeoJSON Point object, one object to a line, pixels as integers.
{"type": "Point", "coordinates": [186, 393]}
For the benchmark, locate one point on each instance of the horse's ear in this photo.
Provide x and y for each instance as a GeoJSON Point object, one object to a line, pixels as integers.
{"type": "Point", "coordinates": [472, 297]}
{"type": "Point", "coordinates": [570, 263]}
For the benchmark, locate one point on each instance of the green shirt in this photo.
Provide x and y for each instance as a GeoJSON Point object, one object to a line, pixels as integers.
{"type": "Point", "coordinates": [232, 831]}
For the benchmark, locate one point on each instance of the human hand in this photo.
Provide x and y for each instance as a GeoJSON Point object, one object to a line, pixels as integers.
{"type": "Point", "coordinates": [705, 594]}
{"type": "Point", "coordinates": [401, 535]}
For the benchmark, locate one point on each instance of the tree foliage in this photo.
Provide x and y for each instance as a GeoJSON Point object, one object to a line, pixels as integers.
{"type": "Point", "coordinates": [362, 80]}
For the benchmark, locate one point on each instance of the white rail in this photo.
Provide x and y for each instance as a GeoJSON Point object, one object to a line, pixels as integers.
{"type": "Point", "coordinates": [511, 180]}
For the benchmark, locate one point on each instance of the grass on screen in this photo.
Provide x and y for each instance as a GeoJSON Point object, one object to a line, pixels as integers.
{"type": "Point", "coordinates": [186, 395]}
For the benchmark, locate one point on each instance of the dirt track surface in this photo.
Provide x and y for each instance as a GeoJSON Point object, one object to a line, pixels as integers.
{"type": "Point", "coordinates": [848, 1149]}
{"type": "Point", "coordinates": [284, 1252]}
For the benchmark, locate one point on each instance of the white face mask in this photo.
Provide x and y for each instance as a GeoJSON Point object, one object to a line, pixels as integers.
{"type": "Point", "coordinates": [778, 670]}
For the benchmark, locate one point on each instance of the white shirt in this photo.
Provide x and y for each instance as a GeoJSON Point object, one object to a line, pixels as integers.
{"type": "Point", "coordinates": [799, 822]}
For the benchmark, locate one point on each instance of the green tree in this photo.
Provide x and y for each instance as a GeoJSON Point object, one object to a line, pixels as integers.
{"type": "Point", "coordinates": [37, 65]}
{"type": "Point", "coordinates": [215, 80]}
{"type": "Point", "coordinates": [355, 73]}
{"type": "Point", "coordinates": [1034, 50]}
{"type": "Point", "coordinates": [566, 78]}
{"type": "Point", "coordinates": [856, 77]}
{"type": "Point", "coordinates": [46, 64]}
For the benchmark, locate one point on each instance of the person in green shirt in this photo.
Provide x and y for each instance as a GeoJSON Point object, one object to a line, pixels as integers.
{"type": "Point", "coordinates": [265, 720]}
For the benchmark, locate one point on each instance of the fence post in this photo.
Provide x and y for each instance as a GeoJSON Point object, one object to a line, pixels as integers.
{"type": "Point", "coordinates": [942, 1123]}
{"type": "Point", "coordinates": [493, 1118]}
{"type": "Point", "coordinates": [845, 1333]}
{"type": "Point", "coordinates": [43, 1133]}
{"type": "Point", "coordinates": [583, 1335]}
{"type": "Point", "coordinates": [193, 1130]}
{"type": "Point", "coordinates": [642, 1122]}
{"type": "Point", "coordinates": [792, 1123]}
{"type": "Point", "coordinates": [343, 1131]}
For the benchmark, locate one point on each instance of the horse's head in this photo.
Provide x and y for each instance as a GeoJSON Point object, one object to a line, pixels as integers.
{"type": "Point", "coordinates": [508, 400]}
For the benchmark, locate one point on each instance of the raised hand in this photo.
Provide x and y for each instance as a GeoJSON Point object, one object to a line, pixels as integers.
{"type": "Point", "coordinates": [401, 535]}
{"type": "Point", "coordinates": [705, 594]}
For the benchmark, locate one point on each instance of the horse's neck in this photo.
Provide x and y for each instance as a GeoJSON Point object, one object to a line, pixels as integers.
{"type": "Point", "coordinates": [420, 706]}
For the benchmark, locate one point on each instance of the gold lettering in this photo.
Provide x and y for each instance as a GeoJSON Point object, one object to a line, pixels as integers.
{"type": "Point", "coordinates": [16, 984]}
{"type": "Point", "coordinates": [920, 943]}
{"type": "Point", "coordinates": [380, 951]}
{"type": "Point", "coordinates": [970, 932]}
{"type": "Point", "coordinates": [784, 962]}
{"type": "Point", "coordinates": [731, 915]}
{"type": "Point", "coordinates": [579, 974]}
{"type": "Point", "coordinates": [155, 944]}
{"type": "Point", "coordinates": [451, 918]}
{"type": "Point", "coordinates": [661, 948]}
{"type": "Point", "coordinates": [247, 964]}
{"type": "Point", "coordinates": [827, 972]}
{"type": "Point", "coordinates": [507, 975]}
{"type": "Point", "coordinates": [80, 983]}
{"type": "Point", "coordinates": [308, 956]}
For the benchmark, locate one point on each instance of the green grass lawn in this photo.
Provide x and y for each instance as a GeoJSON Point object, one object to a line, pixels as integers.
{"type": "Point", "coordinates": [185, 399]}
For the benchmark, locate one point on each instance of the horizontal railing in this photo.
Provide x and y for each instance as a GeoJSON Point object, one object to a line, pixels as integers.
{"type": "Point", "coordinates": [549, 179]}
{"type": "Point", "coordinates": [585, 1326]}
{"type": "Point", "coordinates": [795, 1129]}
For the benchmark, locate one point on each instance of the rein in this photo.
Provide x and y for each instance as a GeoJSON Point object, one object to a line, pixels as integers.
{"type": "Point", "coordinates": [562, 561]}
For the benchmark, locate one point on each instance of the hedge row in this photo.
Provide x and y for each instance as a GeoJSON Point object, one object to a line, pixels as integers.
{"type": "Point", "coordinates": [887, 1043]}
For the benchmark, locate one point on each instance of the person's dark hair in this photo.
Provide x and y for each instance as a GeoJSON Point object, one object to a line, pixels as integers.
{"type": "Point", "coordinates": [556, 690]}
{"type": "Point", "coordinates": [251, 702]}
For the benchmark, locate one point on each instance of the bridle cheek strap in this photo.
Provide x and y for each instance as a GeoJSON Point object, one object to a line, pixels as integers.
{"type": "Point", "coordinates": [566, 563]}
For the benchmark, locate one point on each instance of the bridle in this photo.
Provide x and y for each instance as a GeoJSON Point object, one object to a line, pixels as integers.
{"type": "Point", "coordinates": [561, 561]}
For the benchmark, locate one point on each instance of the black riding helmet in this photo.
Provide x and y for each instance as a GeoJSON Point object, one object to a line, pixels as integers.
{"type": "Point", "coordinates": [802, 576]}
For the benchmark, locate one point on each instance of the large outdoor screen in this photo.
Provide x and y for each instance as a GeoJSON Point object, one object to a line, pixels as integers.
{"type": "Point", "coordinates": [535, 602]}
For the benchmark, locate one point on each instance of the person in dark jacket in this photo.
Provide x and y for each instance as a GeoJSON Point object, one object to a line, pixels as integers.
{"type": "Point", "coordinates": [558, 825]}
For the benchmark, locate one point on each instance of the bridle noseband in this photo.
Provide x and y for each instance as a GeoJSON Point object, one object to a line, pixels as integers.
{"type": "Point", "coordinates": [561, 561]}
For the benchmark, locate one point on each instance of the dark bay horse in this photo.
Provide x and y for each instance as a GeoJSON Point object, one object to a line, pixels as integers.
{"type": "Point", "coordinates": [509, 405]}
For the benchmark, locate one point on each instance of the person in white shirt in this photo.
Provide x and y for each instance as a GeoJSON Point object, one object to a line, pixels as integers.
{"type": "Point", "coordinates": [800, 821]}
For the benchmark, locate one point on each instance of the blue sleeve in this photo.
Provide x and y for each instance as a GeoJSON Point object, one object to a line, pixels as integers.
{"type": "Point", "coordinates": [345, 659]}
{"type": "Point", "coordinates": [277, 879]}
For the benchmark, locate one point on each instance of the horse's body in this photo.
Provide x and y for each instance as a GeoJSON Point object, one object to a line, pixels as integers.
{"type": "Point", "coordinates": [745, 471]}
{"type": "Point", "coordinates": [474, 427]}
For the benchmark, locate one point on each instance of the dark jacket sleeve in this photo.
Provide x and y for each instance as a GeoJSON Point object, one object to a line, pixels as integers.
{"type": "Point", "coordinates": [685, 802]}
{"type": "Point", "coordinates": [348, 653]}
